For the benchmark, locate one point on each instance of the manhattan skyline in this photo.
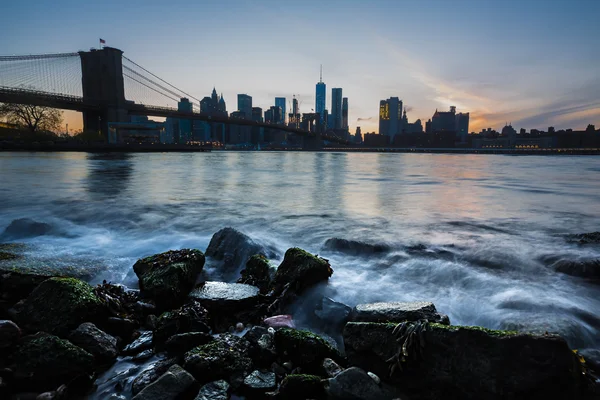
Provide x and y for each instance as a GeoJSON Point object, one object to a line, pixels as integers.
{"type": "Point", "coordinates": [502, 62]}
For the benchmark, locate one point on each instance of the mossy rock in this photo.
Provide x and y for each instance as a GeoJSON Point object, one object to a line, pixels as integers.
{"type": "Point", "coordinates": [257, 273]}
{"type": "Point", "coordinates": [44, 362]}
{"type": "Point", "coordinates": [468, 362]}
{"type": "Point", "coordinates": [191, 317]}
{"type": "Point", "coordinates": [168, 277]}
{"type": "Point", "coordinates": [58, 305]}
{"type": "Point", "coordinates": [301, 270]}
{"type": "Point", "coordinates": [301, 387]}
{"type": "Point", "coordinates": [224, 358]}
{"type": "Point", "coordinates": [303, 348]}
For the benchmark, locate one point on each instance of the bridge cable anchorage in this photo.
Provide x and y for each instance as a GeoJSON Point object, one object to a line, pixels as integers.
{"type": "Point", "coordinates": [162, 80]}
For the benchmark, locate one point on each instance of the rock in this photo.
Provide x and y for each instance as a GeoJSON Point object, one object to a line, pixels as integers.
{"type": "Point", "coordinates": [303, 348]}
{"type": "Point", "coordinates": [469, 362]}
{"type": "Point", "coordinates": [374, 377]}
{"type": "Point", "coordinates": [356, 384]}
{"type": "Point", "coordinates": [331, 367]}
{"type": "Point", "coordinates": [174, 384]}
{"type": "Point", "coordinates": [183, 342]}
{"type": "Point", "coordinates": [585, 238]}
{"type": "Point", "coordinates": [260, 382]}
{"type": "Point", "coordinates": [46, 396]}
{"type": "Point", "coordinates": [354, 247]}
{"type": "Point", "coordinates": [258, 272]}
{"type": "Point", "coordinates": [224, 358]}
{"type": "Point", "coordinates": [301, 387]}
{"type": "Point", "coordinates": [144, 342]}
{"type": "Point", "coordinates": [25, 228]}
{"type": "Point", "coordinates": [191, 317]}
{"type": "Point", "coordinates": [300, 270]}
{"type": "Point", "coordinates": [233, 248]}
{"type": "Point", "coordinates": [262, 346]}
{"type": "Point", "coordinates": [43, 362]}
{"type": "Point", "coordinates": [122, 327]}
{"type": "Point", "coordinates": [216, 390]}
{"type": "Point", "coordinates": [397, 312]}
{"type": "Point", "coordinates": [280, 321]}
{"type": "Point", "coordinates": [9, 334]}
{"type": "Point", "coordinates": [96, 342]}
{"type": "Point", "coordinates": [332, 315]}
{"type": "Point", "coordinates": [592, 358]}
{"type": "Point", "coordinates": [227, 303]}
{"type": "Point", "coordinates": [151, 321]}
{"type": "Point", "coordinates": [15, 285]}
{"type": "Point", "coordinates": [151, 374]}
{"type": "Point", "coordinates": [589, 269]}
{"type": "Point", "coordinates": [143, 356]}
{"type": "Point", "coordinates": [59, 305]}
{"type": "Point", "coordinates": [168, 277]}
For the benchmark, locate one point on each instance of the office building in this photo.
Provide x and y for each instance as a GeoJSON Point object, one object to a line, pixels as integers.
{"type": "Point", "coordinates": [280, 102]}
{"type": "Point", "coordinates": [336, 108]}
{"type": "Point", "coordinates": [345, 113]}
{"type": "Point", "coordinates": [390, 117]}
{"type": "Point", "coordinates": [245, 105]}
{"type": "Point", "coordinates": [321, 97]}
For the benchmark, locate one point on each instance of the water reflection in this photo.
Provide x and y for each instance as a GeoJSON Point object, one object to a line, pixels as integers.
{"type": "Point", "coordinates": [109, 174]}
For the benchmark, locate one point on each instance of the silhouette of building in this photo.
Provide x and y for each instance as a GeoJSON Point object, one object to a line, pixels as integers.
{"type": "Point", "coordinates": [257, 114]}
{"type": "Point", "coordinates": [336, 108]}
{"type": "Point", "coordinates": [450, 121]}
{"type": "Point", "coordinates": [185, 124]}
{"type": "Point", "coordinates": [245, 105]}
{"type": "Point", "coordinates": [294, 117]}
{"type": "Point", "coordinates": [280, 102]}
{"type": "Point", "coordinates": [345, 113]}
{"type": "Point", "coordinates": [390, 117]}
{"type": "Point", "coordinates": [358, 136]}
{"type": "Point", "coordinates": [321, 98]}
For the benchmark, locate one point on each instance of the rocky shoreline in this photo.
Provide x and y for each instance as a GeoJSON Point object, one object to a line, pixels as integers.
{"type": "Point", "coordinates": [210, 340]}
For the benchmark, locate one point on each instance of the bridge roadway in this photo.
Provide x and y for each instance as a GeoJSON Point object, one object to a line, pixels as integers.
{"type": "Point", "coordinates": [45, 99]}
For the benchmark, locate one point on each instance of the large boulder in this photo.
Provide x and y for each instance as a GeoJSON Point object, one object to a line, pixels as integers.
{"type": "Point", "coordinates": [144, 342]}
{"type": "Point", "coordinates": [589, 269]}
{"type": "Point", "coordinates": [174, 384]}
{"type": "Point", "coordinates": [303, 348]}
{"type": "Point", "coordinates": [355, 384]}
{"type": "Point", "coordinates": [190, 317]}
{"type": "Point", "coordinates": [224, 358]}
{"type": "Point", "coordinates": [96, 342]}
{"type": "Point", "coordinates": [151, 374]}
{"type": "Point", "coordinates": [397, 312]}
{"type": "Point", "coordinates": [9, 335]}
{"type": "Point", "coordinates": [216, 390]}
{"type": "Point", "coordinates": [59, 305]}
{"type": "Point", "coordinates": [228, 303]}
{"type": "Point", "coordinates": [15, 285]}
{"type": "Point", "coordinates": [232, 249]}
{"type": "Point", "coordinates": [25, 228]}
{"type": "Point", "coordinates": [184, 342]}
{"type": "Point", "coordinates": [466, 362]}
{"type": "Point", "coordinates": [257, 273]}
{"type": "Point", "coordinates": [43, 362]}
{"type": "Point", "coordinates": [354, 247]}
{"type": "Point", "coordinates": [168, 277]}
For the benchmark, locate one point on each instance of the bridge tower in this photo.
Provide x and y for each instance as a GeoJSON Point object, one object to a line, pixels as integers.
{"type": "Point", "coordinates": [102, 84]}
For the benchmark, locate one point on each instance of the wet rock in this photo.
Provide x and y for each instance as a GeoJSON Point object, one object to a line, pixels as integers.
{"type": "Point", "coordinates": [96, 342]}
{"type": "Point", "coordinates": [332, 315]}
{"type": "Point", "coordinates": [59, 305]}
{"type": "Point", "coordinates": [468, 362]}
{"type": "Point", "coordinates": [397, 312]}
{"type": "Point", "coordinates": [233, 248]}
{"type": "Point", "coordinates": [228, 303]}
{"type": "Point", "coordinates": [122, 327]}
{"type": "Point", "coordinates": [592, 358]}
{"type": "Point", "coordinates": [280, 321]}
{"type": "Point", "coordinates": [151, 374]}
{"type": "Point", "coordinates": [184, 342]}
{"type": "Point", "coordinates": [43, 362]}
{"type": "Point", "coordinates": [25, 228]}
{"type": "Point", "coordinates": [216, 390]}
{"type": "Point", "coordinates": [301, 387]}
{"type": "Point", "coordinates": [356, 384]}
{"type": "Point", "coordinates": [168, 277]}
{"type": "Point", "coordinates": [257, 273]}
{"type": "Point", "coordinates": [585, 238]}
{"type": "Point", "coordinates": [262, 346]}
{"type": "Point", "coordinates": [151, 321]}
{"type": "Point", "coordinates": [303, 348]}
{"type": "Point", "coordinates": [144, 355]}
{"type": "Point", "coordinates": [227, 357]}
{"type": "Point", "coordinates": [15, 285]}
{"type": "Point", "coordinates": [589, 269]}
{"type": "Point", "coordinates": [191, 317]}
{"type": "Point", "coordinates": [9, 334]}
{"type": "Point", "coordinates": [374, 377]}
{"type": "Point", "coordinates": [354, 247]}
{"type": "Point", "coordinates": [260, 382]}
{"type": "Point", "coordinates": [144, 342]}
{"type": "Point", "coordinates": [174, 384]}
{"type": "Point", "coordinates": [331, 368]}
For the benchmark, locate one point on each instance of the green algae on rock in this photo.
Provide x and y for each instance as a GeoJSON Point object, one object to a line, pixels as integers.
{"type": "Point", "coordinates": [304, 348]}
{"type": "Point", "coordinates": [301, 387]}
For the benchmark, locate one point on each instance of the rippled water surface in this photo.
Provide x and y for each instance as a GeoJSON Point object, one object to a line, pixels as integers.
{"type": "Point", "coordinates": [489, 226]}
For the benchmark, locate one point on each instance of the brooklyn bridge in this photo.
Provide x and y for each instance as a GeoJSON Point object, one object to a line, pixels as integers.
{"type": "Point", "coordinates": [108, 88]}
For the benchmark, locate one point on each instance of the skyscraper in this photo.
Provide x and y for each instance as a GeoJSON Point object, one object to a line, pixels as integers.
{"type": "Point", "coordinates": [345, 113]}
{"type": "Point", "coordinates": [185, 125]}
{"type": "Point", "coordinates": [280, 102]}
{"type": "Point", "coordinates": [245, 105]}
{"type": "Point", "coordinates": [321, 97]}
{"type": "Point", "coordinates": [390, 117]}
{"type": "Point", "coordinates": [336, 108]}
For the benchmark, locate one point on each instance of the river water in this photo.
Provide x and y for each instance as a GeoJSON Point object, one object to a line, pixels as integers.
{"type": "Point", "coordinates": [475, 234]}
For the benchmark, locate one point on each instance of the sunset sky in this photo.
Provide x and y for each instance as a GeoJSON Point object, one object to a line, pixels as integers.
{"type": "Point", "coordinates": [535, 63]}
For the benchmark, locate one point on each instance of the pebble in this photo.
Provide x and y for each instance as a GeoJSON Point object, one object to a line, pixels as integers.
{"type": "Point", "coordinates": [239, 327]}
{"type": "Point", "coordinates": [374, 377]}
{"type": "Point", "coordinates": [271, 331]}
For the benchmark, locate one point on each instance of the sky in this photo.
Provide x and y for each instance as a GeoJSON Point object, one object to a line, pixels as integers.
{"type": "Point", "coordinates": [532, 63]}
